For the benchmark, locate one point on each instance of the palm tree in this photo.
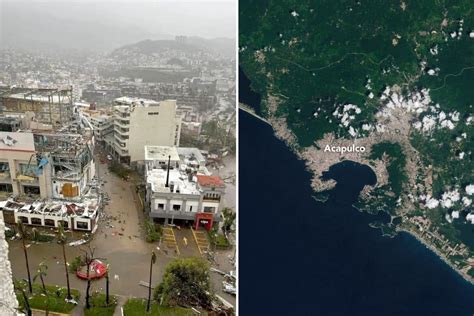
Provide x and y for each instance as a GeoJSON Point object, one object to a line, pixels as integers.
{"type": "Point", "coordinates": [229, 220]}
{"type": "Point", "coordinates": [22, 233]}
{"type": "Point", "coordinates": [107, 296]}
{"type": "Point", "coordinates": [62, 240]}
{"type": "Point", "coordinates": [19, 287]}
{"type": "Point", "coordinates": [89, 257]}
{"type": "Point", "coordinates": [153, 260]}
{"type": "Point", "coordinates": [41, 273]}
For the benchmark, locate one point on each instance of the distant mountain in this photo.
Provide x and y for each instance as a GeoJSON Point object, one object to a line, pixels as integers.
{"type": "Point", "coordinates": [37, 30]}
{"type": "Point", "coordinates": [223, 46]}
{"type": "Point", "coordinates": [149, 47]}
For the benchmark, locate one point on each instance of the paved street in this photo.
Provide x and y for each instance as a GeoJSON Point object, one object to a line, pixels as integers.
{"type": "Point", "coordinates": [119, 241]}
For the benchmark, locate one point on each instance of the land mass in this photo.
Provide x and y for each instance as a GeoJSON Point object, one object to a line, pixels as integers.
{"type": "Point", "coordinates": [392, 78]}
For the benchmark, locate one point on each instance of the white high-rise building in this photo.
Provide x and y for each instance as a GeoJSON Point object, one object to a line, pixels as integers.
{"type": "Point", "coordinates": [140, 122]}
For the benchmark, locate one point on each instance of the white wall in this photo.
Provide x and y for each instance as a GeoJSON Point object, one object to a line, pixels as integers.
{"type": "Point", "coordinates": [145, 129]}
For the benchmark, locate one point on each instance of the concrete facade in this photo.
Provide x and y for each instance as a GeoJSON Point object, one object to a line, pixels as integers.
{"type": "Point", "coordinates": [185, 190]}
{"type": "Point", "coordinates": [138, 123]}
{"type": "Point", "coordinates": [18, 162]}
{"type": "Point", "coordinates": [50, 106]}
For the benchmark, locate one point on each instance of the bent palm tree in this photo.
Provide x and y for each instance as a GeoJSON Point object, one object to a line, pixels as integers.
{"type": "Point", "coordinates": [41, 273]}
{"type": "Point", "coordinates": [22, 233]}
{"type": "Point", "coordinates": [62, 240]}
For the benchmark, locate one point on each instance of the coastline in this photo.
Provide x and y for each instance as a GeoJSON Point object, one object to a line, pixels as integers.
{"type": "Point", "coordinates": [435, 250]}
{"type": "Point", "coordinates": [282, 132]}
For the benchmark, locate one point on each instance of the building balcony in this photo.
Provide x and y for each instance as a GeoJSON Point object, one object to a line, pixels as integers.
{"type": "Point", "coordinates": [122, 151]}
{"type": "Point", "coordinates": [121, 116]}
{"type": "Point", "coordinates": [211, 199]}
{"type": "Point", "coordinates": [121, 124]}
{"type": "Point", "coordinates": [123, 140]}
{"type": "Point", "coordinates": [121, 131]}
{"type": "Point", "coordinates": [122, 109]}
{"type": "Point", "coordinates": [26, 177]}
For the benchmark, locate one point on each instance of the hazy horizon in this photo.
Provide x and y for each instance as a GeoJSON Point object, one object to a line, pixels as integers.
{"type": "Point", "coordinates": [108, 24]}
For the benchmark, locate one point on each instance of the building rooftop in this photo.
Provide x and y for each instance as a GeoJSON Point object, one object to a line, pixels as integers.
{"type": "Point", "coordinates": [135, 101]}
{"type": "Point", "coordinates": [40, 95]}
{"type": "Point", "coordinates": [191, 155]}
{"type": "Point", "coordinates": [17, 141]}
{"type": "Point", "coordinates": [210, 181]}
{"type": "Point", "coordinates": [86, 209]}
{"type": "Point", "coordinates": [161, 153]}
{"type": "Point", "coordinates": [179, 182]}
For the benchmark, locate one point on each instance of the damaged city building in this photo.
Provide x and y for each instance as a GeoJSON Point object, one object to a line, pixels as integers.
{"type": "Point", "coordinates": [180, 189]}
{"type": "Point", "coordinates": [49, 106]}
{"type": "Point", "coordinates": [47, 175]}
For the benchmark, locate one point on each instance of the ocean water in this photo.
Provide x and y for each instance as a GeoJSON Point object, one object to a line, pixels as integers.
{"type": "Point", "coordinates": [299, 256]}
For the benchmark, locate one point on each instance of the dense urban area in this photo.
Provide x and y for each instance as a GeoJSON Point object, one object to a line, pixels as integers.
{"type": "Point", "coordinates": [117, 179]}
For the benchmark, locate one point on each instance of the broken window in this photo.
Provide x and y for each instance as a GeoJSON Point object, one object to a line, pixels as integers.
{"type": "Point", "coordinates": [23, 219]}
{"type": "Point", "coordinates": [6, 187]}
{"type": "Point", "coordinates": [4, 166]}
{"type": "Point", "coordinates": [49, 222]}
{"type": "Point", "coordinates": [82, 225]}
{"type": "Point", "coordinates": [176, 207]}
{"type": "Point", "coordinates": [36, 221]}
{"type": "Point", "coordinates": [209, 209]}
{"type": "Point", "coordinates": [30, 189]}
{"type": "Point", "coordinates": [161, 206]}
{"type": "Point", "coordinates": [24, 168]}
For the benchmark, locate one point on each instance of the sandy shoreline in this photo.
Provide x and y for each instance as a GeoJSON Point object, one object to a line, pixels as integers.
{"type": "Point", "coordinates": [437, 252]}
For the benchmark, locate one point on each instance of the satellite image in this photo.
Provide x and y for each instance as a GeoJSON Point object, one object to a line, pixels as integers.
{"type": "Point", "coordinates": [373, 101]}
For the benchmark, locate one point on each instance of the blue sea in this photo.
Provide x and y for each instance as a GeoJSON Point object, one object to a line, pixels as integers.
{"type": "Point", "coordinates": [298, 256]}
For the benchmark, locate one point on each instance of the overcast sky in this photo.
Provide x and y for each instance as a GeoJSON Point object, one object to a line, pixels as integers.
{"type": "Point", "coordinates": [208, 18]}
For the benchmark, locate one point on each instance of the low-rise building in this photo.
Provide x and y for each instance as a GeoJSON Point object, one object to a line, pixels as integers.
{"type": "Point", "coordinates": [49, 106]}
{"type": "Point", "coordinates": [20, 170]}
{"type": "Point", "coordinates": [76, 216]}
{"type": "Point", "coordinates": [179, 188]}
{"type": "Point", "coordinates": [48, 175]}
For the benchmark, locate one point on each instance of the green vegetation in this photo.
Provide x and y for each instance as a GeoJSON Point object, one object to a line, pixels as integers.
{"type": "Point", "coordinates": [76, 263]}
{"type": "Point", "coordinates": [229, 217]}
{"type": "Point", "coordinates": [186, 282]}
{"type": "Point", "coordinates": [9, 233]}
{"type": "Point", "coordinates": [119, 169]}
{"type": "Point", "coordinates": [99, 306]}
{"type": "Point", "coordinates": [471, 272]}
{"type": "Point", "coordinates": [54, 301]}
{"type": "Point", "coordinates": [137, 307]}
{"type": "Point", "coordinates": [396, 166]}
{"type": "Point", "coordinates": [355, 41]}
{"type": "Point", "coordinates": [385, 198]}
{"type": "Point", "coordinates": [217, 239]}
{"type": "Point", "coordinates": [215, 136]}
{"type": "Point", "coordinates": [153, 231]}
{"type": "Point", "coordinates": [358, 49]}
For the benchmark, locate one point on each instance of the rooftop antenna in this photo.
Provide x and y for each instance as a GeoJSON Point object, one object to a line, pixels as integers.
{"type": "Point", "coordinates": [168, 172]}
